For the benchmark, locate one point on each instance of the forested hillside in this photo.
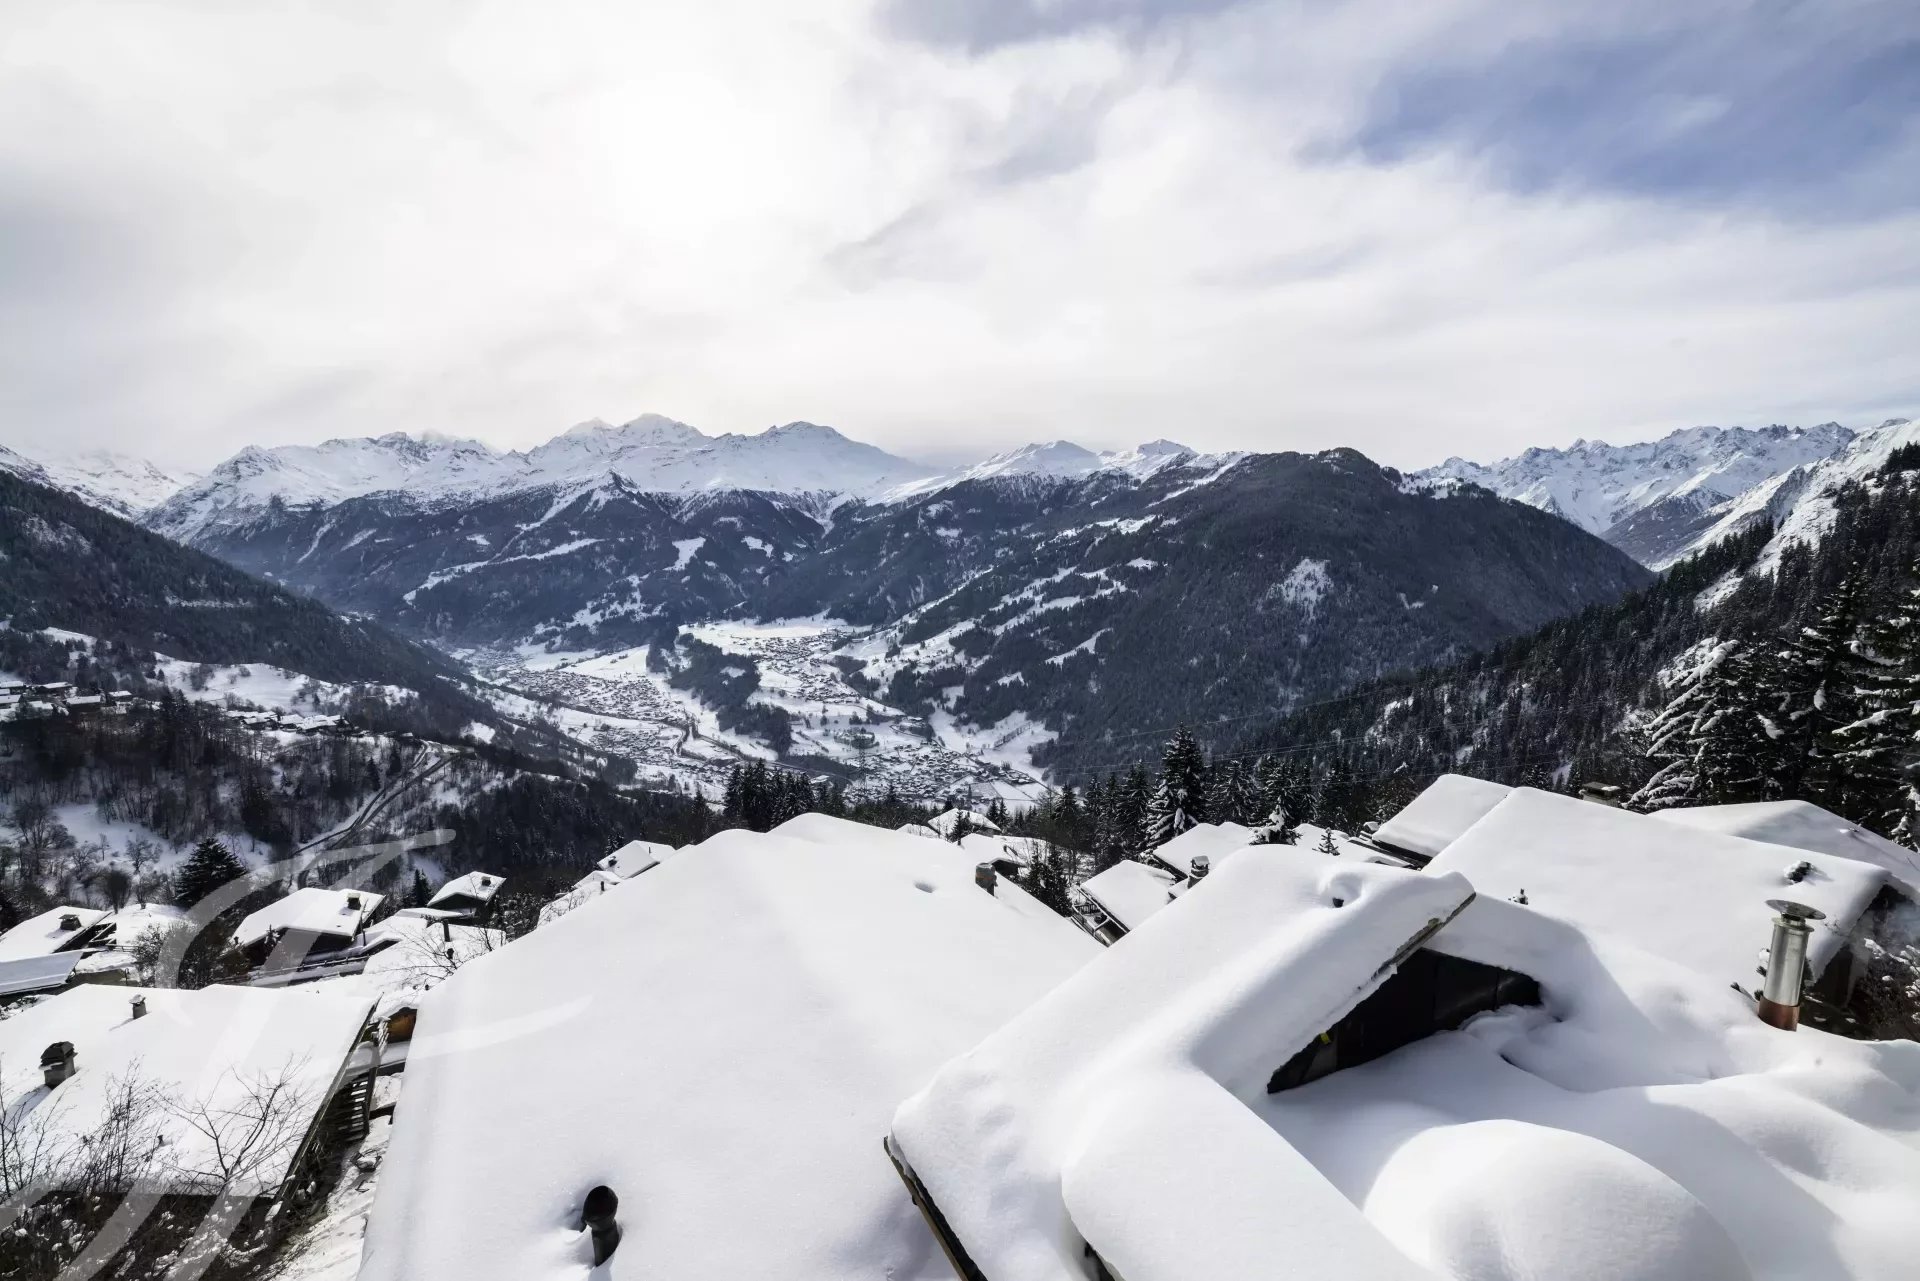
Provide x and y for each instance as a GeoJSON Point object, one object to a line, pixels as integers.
{"type": "Point", "coordinates": [1815, 644]}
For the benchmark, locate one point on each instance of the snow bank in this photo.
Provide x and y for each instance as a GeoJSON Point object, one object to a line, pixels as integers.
{"type": "Point", "coordinates": [1697, 898]}
{"type": "Point", "coordinates": [1436, 818]}
{"type": "Point", "coordinates": [720, 1041]}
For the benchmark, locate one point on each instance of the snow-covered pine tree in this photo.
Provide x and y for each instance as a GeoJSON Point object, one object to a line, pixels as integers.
{"type": "Point", "coordinates": [1880, 750]}
{"type": "Point", "coordinates": [1131, 817]}
{"type": "Point", "coordinates": [1326, 845]}
{"type": "Point", "coordinates": [1180, 798]}
{"type": "Point", "coordinates": [1711, 744]}
{"type": "Point", "coordinates": [210, 866]}
{"type": "Point", "coordinates": [1812, 696]}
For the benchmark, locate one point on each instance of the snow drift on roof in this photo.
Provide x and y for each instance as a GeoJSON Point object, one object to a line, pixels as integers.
{"type": "Point", "coordinates": [1697, 898]}
{"type": "Point", "coordinates": [44, 934]}
{"type": "Point", "coordinates": [721, 1042]}
{"type": "Point", "coordinates": [1435, 819]}
{"type": "Point", "coordinates": [309, 911]}
{"type": "Point", "coordinates": [480, 886]}
{"type": "Point", "coordinates": [1804, 826]}
{"type": "Point", "coordinates": [1112, 1111]}
{"type": "Point", "coordinates": [1129, 891]}
{"type": "Point", "coordinates": [207, 1046]}
{"type": "Point", "coordinates": [635, 857]}
{"type": "Point", "coordinates": [1215, 840]}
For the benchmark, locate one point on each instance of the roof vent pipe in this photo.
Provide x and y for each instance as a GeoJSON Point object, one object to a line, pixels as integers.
{"type": "Point", "coordinates": [983, 876]}
{"type": "Point", "coordinates": [139, 1007]}
{"type": "Point", "coordinates": [597, 1217]}
{"type": "Point", "coordinates": [1201, 866]}
{"type": "Point", "coordinates": [1787, 963]}
{"type": "Point", "coordinates": [56, 1062]}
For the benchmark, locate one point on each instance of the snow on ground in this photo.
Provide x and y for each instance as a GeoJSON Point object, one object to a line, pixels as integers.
{"type": "Point", "coordinates": [328, 1249]}
{"type": "Point", "coordinates": [766, 998]}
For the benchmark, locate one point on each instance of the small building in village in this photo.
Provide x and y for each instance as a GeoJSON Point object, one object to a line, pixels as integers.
{"type": "Point", "coordinates": [468, 897]}
{"type": "Point", "coordinates": [308, 926]}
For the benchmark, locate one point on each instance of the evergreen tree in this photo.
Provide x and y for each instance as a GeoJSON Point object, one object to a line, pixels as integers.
{"type": "Point", "coordinates": [210, 866]}
{"type": "Point", "coordinates": [1326, 845]}
{"type": "Point", "coordinates": [1236, 795]}
{"type": "Point", "coordinates": [1880, 749]}
{"type": "Point", "coordinates": [1180, 797]}
{"type": "Point", "coordinates": [1813, 697]}
{"type": "Point", "coordinates": [1712, 744]}
{"type": "Point", "coordinates": [1131, 813]}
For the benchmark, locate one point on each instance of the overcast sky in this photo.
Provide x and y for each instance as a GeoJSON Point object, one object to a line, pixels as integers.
{"type": "Point", "coordinates": [950, 226]}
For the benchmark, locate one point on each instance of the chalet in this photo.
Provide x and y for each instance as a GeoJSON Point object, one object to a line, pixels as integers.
{"type": "Point", "coordinates": [633, 858]}
{"type": "Point", "coordinates": [66, 1063]}
{"type": "Point", "coordinates": [54, 690]}
{"type": "Point", "coordinates": [1118, 900]}
{"type": "Point", "coordinates": [1377, 1073]}
{"type": "Point", "coordinates": [584, 891]}
{"type": "Point", "coordinates": [55, 930]}
{"type": "Point", "coordinates": [1439, 816]}
{"type": "Point", "coordinates": [950, 821]}
{"type": "Point", "coordinates": [858, 958]}
{"type": "Point", "coordinates": [468, 897]}
{"type": "Point", "coordinates": [307, 927]}
{"type": "Point", "coordinates": [86, 704]}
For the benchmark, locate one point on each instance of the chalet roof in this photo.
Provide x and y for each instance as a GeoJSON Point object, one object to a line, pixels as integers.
{"type": "Point", "coordinates": [817, 972]}
{"type": "Point", "coordinates": [206, 1046]}
{"type": "Point", "coordinates": [28, 974]}
{"type": "Point", "coordinates": [634, 858]}
{"type": "Point", "coordinates": [479, 886]}
{"type": "Point", "coordinates": [1804, 826]}
{"type": "Point", "coordinates": [584, 891]}
{"type": "Point", "coordinates": [1438, 816]}
{"type": "Point", "coordinates": [44, 934]}
{"type": "Point", "coordinates": [944, 822]}
{"type": "Point", "coordinates": [309, 911]}
{"type": "Point", "coordinates": [1215, 840]}
{"type": "Point", "coordinates": [1695, 897]}
{"type": "Point", "coordinates": [1129, 891]}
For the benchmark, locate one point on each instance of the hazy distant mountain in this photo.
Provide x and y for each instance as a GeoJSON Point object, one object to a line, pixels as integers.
{"type": "Point", "coordinates": [119, 483]}
{"type": "Point", "coordinates": [1649, 499]}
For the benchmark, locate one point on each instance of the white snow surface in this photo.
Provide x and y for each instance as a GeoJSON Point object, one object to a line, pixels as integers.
{"type": "Point", "coordinates": [1596, 485]}
{"type": "Point", "coordinates": [635, 857]}
{"type": "Point", "coordinates": [1438, 816]}
{"type": "Point", "coordinates": [205, 1046]}
{"type": "Point", "coordinates": [752, 1010]}
{"type": "Point", "coordinates": [1215, 840]}
{"type": "Point", "coordinates": [312, 910]}
{"type": "Point", "coordinates": [1114, 1110]}
{"type": "Point", "coordinates": [476, 885]}
{"type": "Point", "coordinates": [1130, 891]}
{"type": "Point", "coordinates": [119, 483]}
{"type": "Point", "coordinates": [1641, 1125]}
{"type": "Point", "coordinates": [1802, 825]}
{"type": "Point", "coordinates": [651, 453]}
{"type": "Point", "coordinates": [1697, 898]}
{"type": "Point", "coordinates": [42, 935]}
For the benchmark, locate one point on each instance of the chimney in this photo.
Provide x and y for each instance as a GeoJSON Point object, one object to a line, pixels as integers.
{"type": "Point", "coordinates": [1201, 866]}
{"type": "Point", "coordinates": [983, 876]}
{"type": "Point", "coordinates": [139, 1007]}
{"type": "Point", "coordinates": [1787, 963]}
{"type": "Point", "coordinates": [353, 902]}
{"type": "Point", "coordinates": [69, 920]}
{"type": "Point", "coordinates": [56, 1062]}
{"type": "Point", "coordinates": [597, 1217]}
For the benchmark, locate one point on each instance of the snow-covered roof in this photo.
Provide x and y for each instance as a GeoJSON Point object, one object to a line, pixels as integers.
{"type": "Point", "coordinates": [124, 927]}
{"type": "Point", "coordinates": [206, 1046]}
{"type": "Point", "coordinates": [944, 823]}
{"type": "Point", "coordinates": [1438, 816]}
{"type": "Point", "coordinates": [1695, 897]}
{"type": "Point", "coordinates": [37, 973]}
{"type": "Point", "coordinates": [1129, 891]}
{"type": "Point", "coordinates": [45, 934]}
{"type": "Point", "coordinates": [309, 911]}
{"type": "Point", "coordinates": [412, 953]}
{"type": "Point", "coordinates": [919, 829]}
{"type": "Point", "coordinates": [634, 858]}
{"type": "Point", "coordinates": [1215, 840]}
{"type": "Point", "coordinates": [1641, 1123]}
{"type": "Point", "coordinates": [801, 982]}
{"type": "Point", "coordinates": [584, 891]}
{"type": "Point", "coordinates": [1115, 1110]}
{"type": "Point", "coordinates": [997, 847]}
{"type": "Point", "coordinates": [479, 886]}
{"type": "Point", "coordinates": [1804, 826]}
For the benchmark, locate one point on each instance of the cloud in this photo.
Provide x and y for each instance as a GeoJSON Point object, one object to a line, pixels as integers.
{"type": "Point", "coordinates": [1463, 227]}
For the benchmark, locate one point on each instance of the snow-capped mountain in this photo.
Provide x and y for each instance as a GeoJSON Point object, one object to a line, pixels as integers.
{"type": "Point", "coordinates": [1064, 460]}
{"type": "Point", "coordinates": [651, 453]}
{"type": "Point", "coordinates": [119, 483]}
{"type": "Point", "coordinates": [1647, 498]}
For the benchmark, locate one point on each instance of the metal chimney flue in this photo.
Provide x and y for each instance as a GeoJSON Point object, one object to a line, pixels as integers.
{"type": "Point", "coordinates": [983, 876]}
{"type": "Point", "coordinates": [1201, 866]}
{"type": "Point", "coordinates": [597, 1217]}
{"type": "Point", "coordinates": [1779, 1004]}
{"type": "Point", "coordinates": [139, 1004]}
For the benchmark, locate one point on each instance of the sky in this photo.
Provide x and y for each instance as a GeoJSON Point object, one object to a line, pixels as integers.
{"type": "Point", "coordinates": [950, 227]}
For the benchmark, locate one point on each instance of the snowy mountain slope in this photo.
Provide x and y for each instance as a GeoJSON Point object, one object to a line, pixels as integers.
{"type": "Point", "coordinates": [651, 454]}
{"type": "Point", "coordinates": [119, 483]}
{"type": "Point", "coordinates": [1064, 460]}
{"type": "Point", "coordinates": [1647, 497]}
